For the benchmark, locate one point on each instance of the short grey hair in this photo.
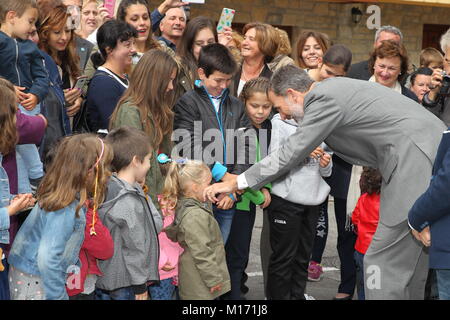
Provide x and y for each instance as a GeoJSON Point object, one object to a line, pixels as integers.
{"type": "Point", "coordinates": [290, 77]}
{"type": "Point", "coordinates": [445, 41]}
{"type": "Point", "coordinates": [390, 29]}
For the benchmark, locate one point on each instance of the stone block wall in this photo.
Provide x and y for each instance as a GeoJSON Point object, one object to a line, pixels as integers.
{"type": "Point", "coordinates": [331, 18]}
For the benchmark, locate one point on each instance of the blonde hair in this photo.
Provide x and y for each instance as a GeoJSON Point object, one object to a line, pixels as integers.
{"type": "Point", "coordinates": [72, 174]}
{"type": "Point", "coordinates": [284, 45]}
{"type": "Point", "coordinates": [179, 179]}
{"type": "Point", "coordinates": [430, 55]}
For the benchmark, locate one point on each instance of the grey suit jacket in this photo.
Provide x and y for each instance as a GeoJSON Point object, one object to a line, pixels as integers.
{"type": "Point", "coordinates": [365, 124]}
{"type": "Point", "coordinates": [84, 50]}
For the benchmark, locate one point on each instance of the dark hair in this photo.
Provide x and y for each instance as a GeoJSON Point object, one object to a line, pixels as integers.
{"type": "Point", "coordinates": [391, 49]}
{"type": "Point", "coordinates": [424, 71]}
{"type": "Point", "coordinates": [127, 143]}
{"type": "Point", "coordinates": [108, 35]}
{"type": "Point", "coordinates": [370, 181]}
{"type": "Point", "coordinates": [184, 49]}
{"type": "Point", "coordinates": [321, 38]}
{"type": "Point", "coordinates": [122, 13]}
{"type": "Point", "coordinates": [338, 55]}
{"type": "Point", "coordinates": [216, 57]}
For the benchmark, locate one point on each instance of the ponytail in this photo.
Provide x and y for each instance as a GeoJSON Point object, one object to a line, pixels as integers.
{"type": "Point", "coordinates": [179, 178]}
{"type": "Point", "coordinates": [172, 190]}
{"type": "Point", "coordinates": [97, 59]}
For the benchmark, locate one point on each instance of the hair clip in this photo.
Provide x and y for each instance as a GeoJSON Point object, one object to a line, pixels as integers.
{"type": "Point", "coordinates": [164, 158]}
{"type": "Point", "coordinates": [182, 161]}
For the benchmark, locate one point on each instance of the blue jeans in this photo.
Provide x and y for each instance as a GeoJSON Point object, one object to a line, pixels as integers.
{"type": "Point", "coordinates": [359, 258]}
{"type": "Point", "coordinates": [224, 219]}
{"type": "Point", "coordinates": [443, 282]}
{"type": "Point", "coordinates": [119, 294]}
{"type": "Point", "coordinates": [4, 284]}
{"type": "Point", "coordinates": [32, 163]}
{"type": "Point", "coordinates": [163, 291]}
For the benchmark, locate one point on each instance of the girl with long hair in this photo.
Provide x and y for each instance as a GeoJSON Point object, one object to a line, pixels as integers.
{"type": "Point", "coordinates": [199, 32]}
{"type": "Point", "coordinates": [147, 106]}
{"type": "Point", "coordinates": [311, 46]}
{"type": "Point", "coordinates": [9, 206]}
{"type": "Point", "coordinates": [48, 244]}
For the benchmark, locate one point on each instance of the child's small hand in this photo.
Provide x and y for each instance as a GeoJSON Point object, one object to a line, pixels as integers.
{"type": "Point", "coordinates": [19, 94]}
{"type": "Point", "coordinates": [267, 198]}
{"type": "Point", "coordinates": [19, 203]}
{"type": "Point", "coordinates": [317, 153]}
{"type": "Point", "coordinates": [225, 202]}
{"type": "Point", "coordinates": [167, 267]}
{"type": "Point", "coordinates": [325, 160]}
{"type": "Point", "coordinates": [216, 288]}
{"type": "Point", "coordinates": [143, 296]}
{"type": "Point", "coordinates": [30, 102]}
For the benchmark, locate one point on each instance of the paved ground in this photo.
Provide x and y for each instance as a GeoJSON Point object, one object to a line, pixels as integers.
{"type": "Point", "coordinates": [323, 290]}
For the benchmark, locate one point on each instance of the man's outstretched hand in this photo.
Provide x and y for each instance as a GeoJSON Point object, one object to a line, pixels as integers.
{"type": "Point", "coordinates": [228, 186]}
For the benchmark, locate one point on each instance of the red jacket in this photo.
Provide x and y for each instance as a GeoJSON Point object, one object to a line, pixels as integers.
{"type": "Point", "coordinates": [100, 246]}
{"type": "Point", "coordinates": [365, 218]}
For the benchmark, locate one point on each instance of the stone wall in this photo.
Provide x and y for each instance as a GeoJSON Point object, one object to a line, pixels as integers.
{"type": "Point", "coordinates": [331, 18]}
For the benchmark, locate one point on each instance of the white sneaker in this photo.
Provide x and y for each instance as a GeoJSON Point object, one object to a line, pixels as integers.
{"type": "Point", "coordinates": [308, 297]}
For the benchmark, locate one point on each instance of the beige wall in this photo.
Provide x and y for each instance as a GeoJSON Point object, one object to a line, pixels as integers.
{"type": "Point", "coordinates": [333, 19]}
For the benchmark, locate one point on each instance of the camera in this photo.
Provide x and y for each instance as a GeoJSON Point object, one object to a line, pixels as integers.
{"type": "Point", "coordinates": [445, 83]}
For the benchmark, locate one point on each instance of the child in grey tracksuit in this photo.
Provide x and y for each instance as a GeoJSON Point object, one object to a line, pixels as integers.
{"type": "Point", "coordinates": [293, 215]}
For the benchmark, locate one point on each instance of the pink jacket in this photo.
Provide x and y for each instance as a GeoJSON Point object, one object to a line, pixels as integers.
{"type": "Point", "coordinates": [169, 251]}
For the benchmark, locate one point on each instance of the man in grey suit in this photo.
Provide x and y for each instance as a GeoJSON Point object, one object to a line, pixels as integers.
{"type": "Point", "coordinates": [368, 125]}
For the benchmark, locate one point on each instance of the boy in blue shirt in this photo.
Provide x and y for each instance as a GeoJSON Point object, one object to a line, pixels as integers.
{"type": "Point", "coordinates": [214, 120]}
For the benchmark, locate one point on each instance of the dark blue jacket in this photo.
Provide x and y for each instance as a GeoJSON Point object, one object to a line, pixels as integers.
{"type": "Point", "coordinates": [433, 208]}
{"type": "Point", "coordinates": [22, 64]}
{"type": "Point", "coordinates": [102, 96]}
{"type": "Point", "coordinates": [53, 108]}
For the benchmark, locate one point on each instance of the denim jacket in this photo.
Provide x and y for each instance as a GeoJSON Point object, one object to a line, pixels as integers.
{"type": "Point", "coordinates": [47, 244]}
{"type": "Point", "coordinates": [5, 196]}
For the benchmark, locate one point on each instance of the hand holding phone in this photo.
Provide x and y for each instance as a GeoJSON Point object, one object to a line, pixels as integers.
{"type": "Point", "coordinates": [225, 19]}
{"type": "Point", "coordinates": [80, 83]}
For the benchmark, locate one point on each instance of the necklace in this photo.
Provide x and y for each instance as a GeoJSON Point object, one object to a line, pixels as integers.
{"type": "Point", "coordinates": [245, 76]}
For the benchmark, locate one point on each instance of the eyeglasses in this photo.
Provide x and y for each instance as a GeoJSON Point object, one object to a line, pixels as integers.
{"type": "Point", "coordinates": [388, 68]}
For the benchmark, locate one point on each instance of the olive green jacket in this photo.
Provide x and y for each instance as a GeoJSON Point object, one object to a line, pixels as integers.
{"type": "Point", "coordinates": [202, 264]}
{"type": "Point", "coordinates": [128, 115]}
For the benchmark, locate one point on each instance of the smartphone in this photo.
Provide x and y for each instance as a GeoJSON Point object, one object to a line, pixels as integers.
{"type": "Point", "coordinates": [225, 19]}
{"type": "Point", "coordinates": [81, 83]}
{"type": "Point", "coordinates": [110, 6]}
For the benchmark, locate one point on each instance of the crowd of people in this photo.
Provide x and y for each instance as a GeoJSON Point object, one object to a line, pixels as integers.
{"type": "Point", "coordinates": [114, 126]}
